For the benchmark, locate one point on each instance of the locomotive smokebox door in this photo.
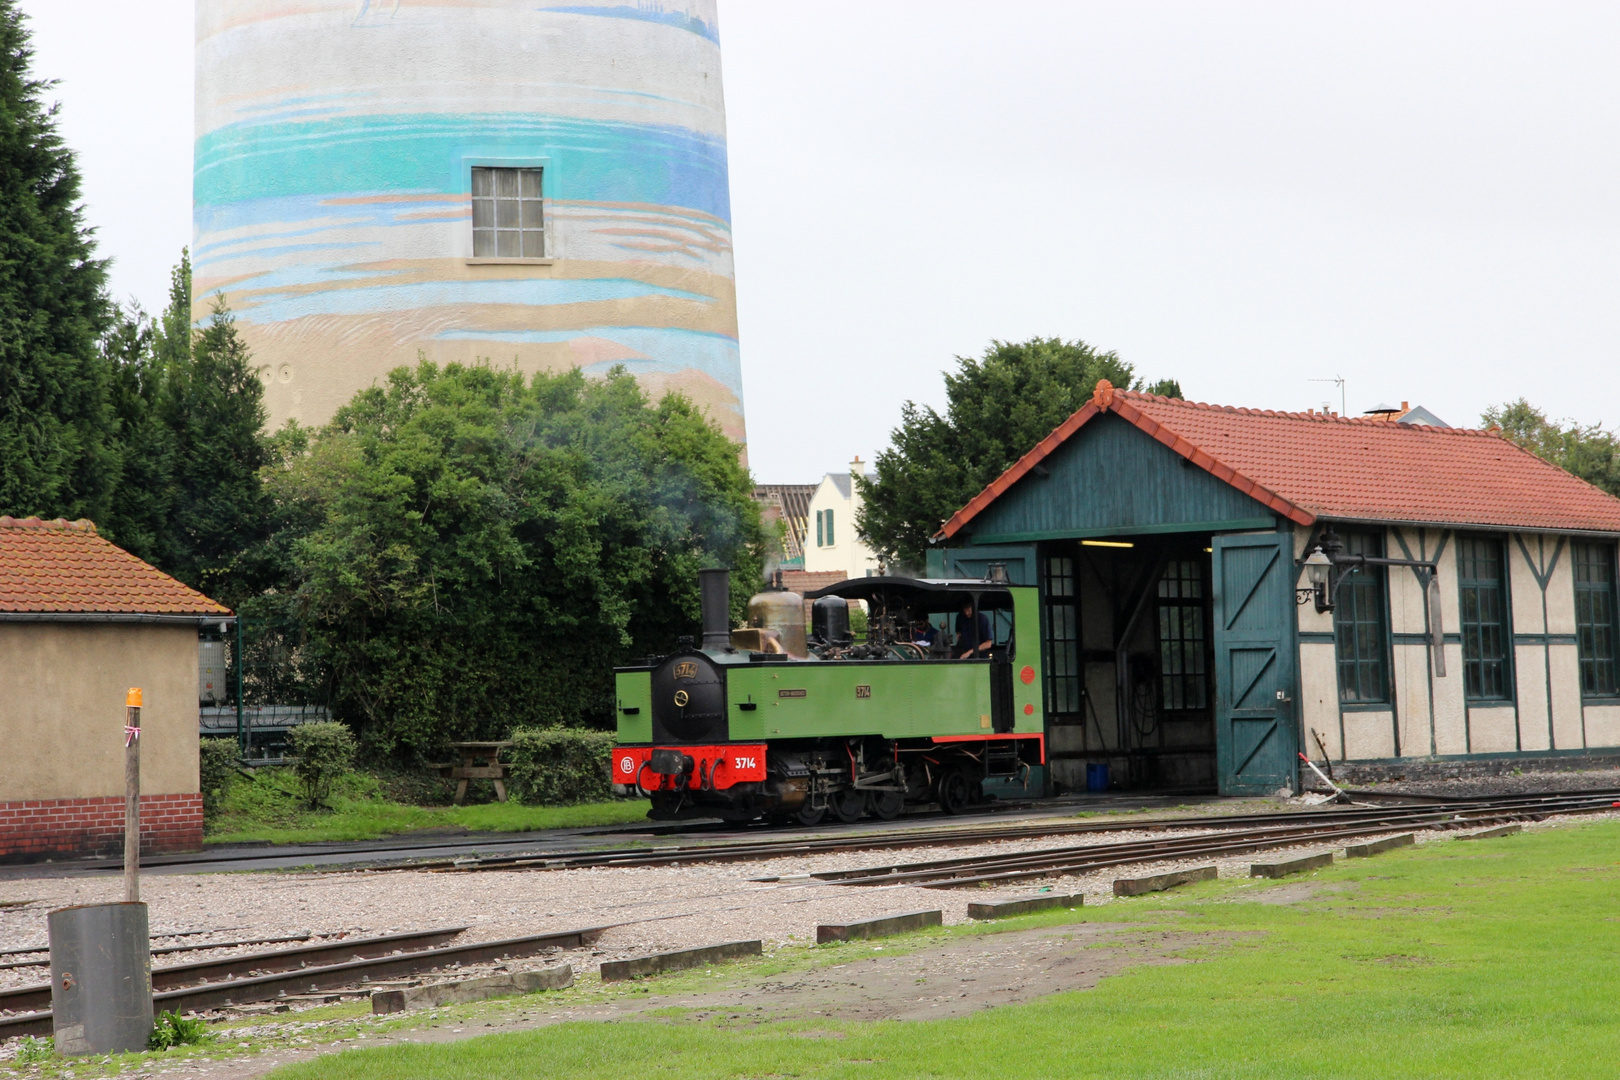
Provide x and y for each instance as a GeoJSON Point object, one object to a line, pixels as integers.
{"type": "Point", "coordinates": [689, 700]}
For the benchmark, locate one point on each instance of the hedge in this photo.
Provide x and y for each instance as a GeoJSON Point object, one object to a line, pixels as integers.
{"type": "Point", "coordinates": [554, 765]}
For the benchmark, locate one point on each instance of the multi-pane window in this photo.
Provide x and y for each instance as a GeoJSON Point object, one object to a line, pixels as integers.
{"type": "Point", "coordinates": [1359, 625]}
{"type": "Point", "coordinates": [824, 528]}
{"type": "Point", "coordinates": [508, 214]}
{"type": "Point", "coordinates": [1063, 672]}
{"type": "Point", "coordinates": [1482, 597]}
{"type": "Point", "coordinates": [1184, 660]}
{"type": "Point", "coordinates": [1595, 618]}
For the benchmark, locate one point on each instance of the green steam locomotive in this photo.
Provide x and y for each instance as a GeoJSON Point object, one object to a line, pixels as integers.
{"type": "Point", "coordinates": [767, 722]}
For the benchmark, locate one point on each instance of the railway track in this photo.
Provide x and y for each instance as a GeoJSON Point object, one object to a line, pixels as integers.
{"type": "Point", "coordinates": [265, 976]}
{"type": "Point", "coordinates": [347, 964]}
{"type": "Point", "coordinates": [1051, 862]}
{"type": "Point", "coordinates": [1340, 818]}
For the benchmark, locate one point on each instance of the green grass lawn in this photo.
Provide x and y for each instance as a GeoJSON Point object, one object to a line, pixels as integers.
{"type": "Point", "coordinates": [268, 808]}
{"type": "Point", "coordinates": [1491, 958]}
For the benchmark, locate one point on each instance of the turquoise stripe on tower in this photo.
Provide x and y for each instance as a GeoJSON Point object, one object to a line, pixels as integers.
{"type": "Point", "coordinates": [333, 196]}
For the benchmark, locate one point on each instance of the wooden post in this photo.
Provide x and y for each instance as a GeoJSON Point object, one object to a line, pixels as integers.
{"type": "Point", "coordinates": [132, 795]}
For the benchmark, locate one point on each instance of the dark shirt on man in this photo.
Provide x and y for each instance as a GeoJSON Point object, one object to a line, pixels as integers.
{"type": "Point", "coordinates": [972, 631]}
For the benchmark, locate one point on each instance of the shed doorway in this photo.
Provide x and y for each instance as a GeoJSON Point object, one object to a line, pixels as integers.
{"type": "Point", "coordinates": [1130, 665]}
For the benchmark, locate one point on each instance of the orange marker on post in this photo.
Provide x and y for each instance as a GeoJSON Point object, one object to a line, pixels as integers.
{"type": "Point", "coordinates": [132, 795]}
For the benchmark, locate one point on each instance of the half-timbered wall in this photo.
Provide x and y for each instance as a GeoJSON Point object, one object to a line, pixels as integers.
{"type": "Point", "coordinates": [1429, 713]}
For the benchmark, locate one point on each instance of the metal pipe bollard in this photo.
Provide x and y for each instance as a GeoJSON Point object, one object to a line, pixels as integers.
{"type": "Point", "coordinates": [101, 978]}
{"type": "Point", "coordinates": [132, 796]}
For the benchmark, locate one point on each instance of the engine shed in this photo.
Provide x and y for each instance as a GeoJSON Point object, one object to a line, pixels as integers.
{"type": "Point", "coordinates": [1222, 589]}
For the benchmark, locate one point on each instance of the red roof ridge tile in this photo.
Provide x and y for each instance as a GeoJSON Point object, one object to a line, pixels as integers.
{"type": "Point", "coordinates": [1309, 417]}
{"type": "Point", "coordinates": [81, 525]}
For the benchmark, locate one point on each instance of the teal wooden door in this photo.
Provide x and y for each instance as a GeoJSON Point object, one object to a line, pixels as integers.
{"type": "Point", "coordinates": [1256, 741]}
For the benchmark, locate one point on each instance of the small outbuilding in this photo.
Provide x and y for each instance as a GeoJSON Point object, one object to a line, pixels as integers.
{"type": "Point", "coordinates": [81, 621]}
{"type": "Point", "coordinates": [1225, 588]}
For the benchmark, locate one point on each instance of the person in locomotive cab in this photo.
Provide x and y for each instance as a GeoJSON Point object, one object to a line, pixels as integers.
{"type": "Point", "coordinates": [972, 632]}
{"type": "Point", "coordinates": [924, 634]}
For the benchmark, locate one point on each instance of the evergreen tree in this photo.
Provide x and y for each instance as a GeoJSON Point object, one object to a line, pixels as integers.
{"type": "Point", "coordinates": [139, 510]}
{"type": "Point", "coordinates": [57, 457]}
{"type": "Point", "coordinates": [213, 408]}
{"type": "Point", "coordinates": [190, 413]}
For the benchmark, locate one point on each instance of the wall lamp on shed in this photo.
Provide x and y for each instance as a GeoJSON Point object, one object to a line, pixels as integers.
{"type": "Point", "coordinates": [1318, 571]}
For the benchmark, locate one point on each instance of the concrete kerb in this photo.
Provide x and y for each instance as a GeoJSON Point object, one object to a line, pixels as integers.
{"type": "Point", "coordinates": [680, 960]}
{"type": "Point", "coordinates": [1486, 834]}
{"type": "Point", "coordinates": [1378, 847]}
{"type": "Point", "coordinates": [1005, 909]}
{"type": "Point", "coordinates": [436, 995]}
{"type": "Point", "coordinates": [1291, 866]}
{"type": "Point", "coordinates": [871, 928]}
{"type": "Point", "coordinates": [1160, 882]}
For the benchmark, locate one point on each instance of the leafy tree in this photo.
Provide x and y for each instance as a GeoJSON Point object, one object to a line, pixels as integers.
{"type": "Point", "coordinates": [997, 408]}
{"type": "Point", "coordinates": [1591, 453]}
{"type": "Point", "coordinates": [473, 552]}
{"type": "Point", "coordinates": [55, 454]}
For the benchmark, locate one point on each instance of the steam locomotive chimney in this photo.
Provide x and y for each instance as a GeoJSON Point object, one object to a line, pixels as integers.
{"type": "Point", "coordinates": [714, 586]}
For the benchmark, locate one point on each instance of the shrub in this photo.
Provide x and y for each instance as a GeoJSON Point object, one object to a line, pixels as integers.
{"type": "Point", "coordinates": [559, 765]}
{"type": "Point", "coordinates": [32, 1051]}
{"type": "Point", "coordinates": [322, 752]}
{"type": "Point", "coordinates": [216, 768]}
{"type": "Point", "coordinates": [172, 1029]}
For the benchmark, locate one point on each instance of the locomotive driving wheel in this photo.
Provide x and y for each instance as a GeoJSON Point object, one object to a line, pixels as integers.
{"type": "Point", "coordinates": [955, 791]}
{"type": "Point", "coordinates": [886, 805]}
{"type": "Point", "coordinates": [848, 805]}
{"type": "Point", "coordinates": [809, 815]}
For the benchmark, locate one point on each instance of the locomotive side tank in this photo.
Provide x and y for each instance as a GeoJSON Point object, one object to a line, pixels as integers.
{"type": "Point", "coordinates": [853, 729]}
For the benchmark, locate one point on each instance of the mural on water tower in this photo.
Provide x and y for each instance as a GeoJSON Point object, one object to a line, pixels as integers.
{"type": "Point", "coordinates": [530, 181]}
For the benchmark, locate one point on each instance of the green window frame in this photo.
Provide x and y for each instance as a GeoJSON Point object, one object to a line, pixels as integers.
{"type": "Point", "coordinates": [1595, 611]}
{"type": "Point", "coordinates": [1183, 641]}
{"type": "Point", "coordinates": [1064, 672]}
{"type": "Point", "coordinates": [819, 534]}
{"type": "Point", "coordinates": [1484, 618]}
{"type": "Point", "coordinates": [1361, 625]}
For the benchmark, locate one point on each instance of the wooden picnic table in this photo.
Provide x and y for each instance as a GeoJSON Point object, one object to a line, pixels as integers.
{"type": "Point", "coordinates": [479, 761]}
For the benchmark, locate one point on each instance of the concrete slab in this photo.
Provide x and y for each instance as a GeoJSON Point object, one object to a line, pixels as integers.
{"type": "Point", "coordinates": [871, 928]}
{"type": "Point", "coordinates": [1003, 909]}
{"type": "Point", "coordinates": [1378, 847]}
{"type": "Point", "coordinates": [1486, 834]}
{"type": "Point", "coordinates": [435, 995]}
{"type": "Point", "coordinates": [679, 960]}
{"type": "Point", "coordinates": [1159, 882]}
{"type": "Point", "coordinates": [1290, 866]}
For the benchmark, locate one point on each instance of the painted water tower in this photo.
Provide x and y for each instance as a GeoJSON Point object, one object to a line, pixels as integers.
{"type": "Point", "coordinates": [535, 182]}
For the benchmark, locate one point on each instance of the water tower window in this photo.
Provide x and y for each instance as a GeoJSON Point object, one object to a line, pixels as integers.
{"type": "Point", "coordinates": [507, 214]}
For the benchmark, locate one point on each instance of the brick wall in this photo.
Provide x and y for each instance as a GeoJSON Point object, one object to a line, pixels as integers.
{"type": "Point", "coordinates": [40, 828]}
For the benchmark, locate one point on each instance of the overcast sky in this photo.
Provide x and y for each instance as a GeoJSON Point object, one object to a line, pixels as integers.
{"type": "Point", "coordinates": [1418, 197]}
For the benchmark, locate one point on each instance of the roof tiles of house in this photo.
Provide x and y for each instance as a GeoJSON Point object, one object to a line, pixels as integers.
{"type": "Point", "coordinates": [63, 567]}
{"type": "Point", "coordinates": [1306, 466]}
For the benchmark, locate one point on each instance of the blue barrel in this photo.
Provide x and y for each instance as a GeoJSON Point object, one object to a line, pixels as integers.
{"type": "Point", "coordinates": [1096, 777]}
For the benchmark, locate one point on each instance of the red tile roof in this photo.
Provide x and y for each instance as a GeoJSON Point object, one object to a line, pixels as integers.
{"type": "Point", "coordinates": [1310, 465]}
{"type": "Point", "coordinates": [63, 567]}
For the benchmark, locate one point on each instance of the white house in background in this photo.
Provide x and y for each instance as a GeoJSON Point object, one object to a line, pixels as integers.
{"type": "Point", "coordinates": [830, 540]}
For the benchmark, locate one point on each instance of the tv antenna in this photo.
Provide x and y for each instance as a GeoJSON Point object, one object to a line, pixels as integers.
{"type": "Point", "coordinates": [1337, 380]}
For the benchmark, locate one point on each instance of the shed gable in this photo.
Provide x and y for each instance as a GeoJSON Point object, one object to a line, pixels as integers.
{"type": "Point", "coordinates": [1111, 478]}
